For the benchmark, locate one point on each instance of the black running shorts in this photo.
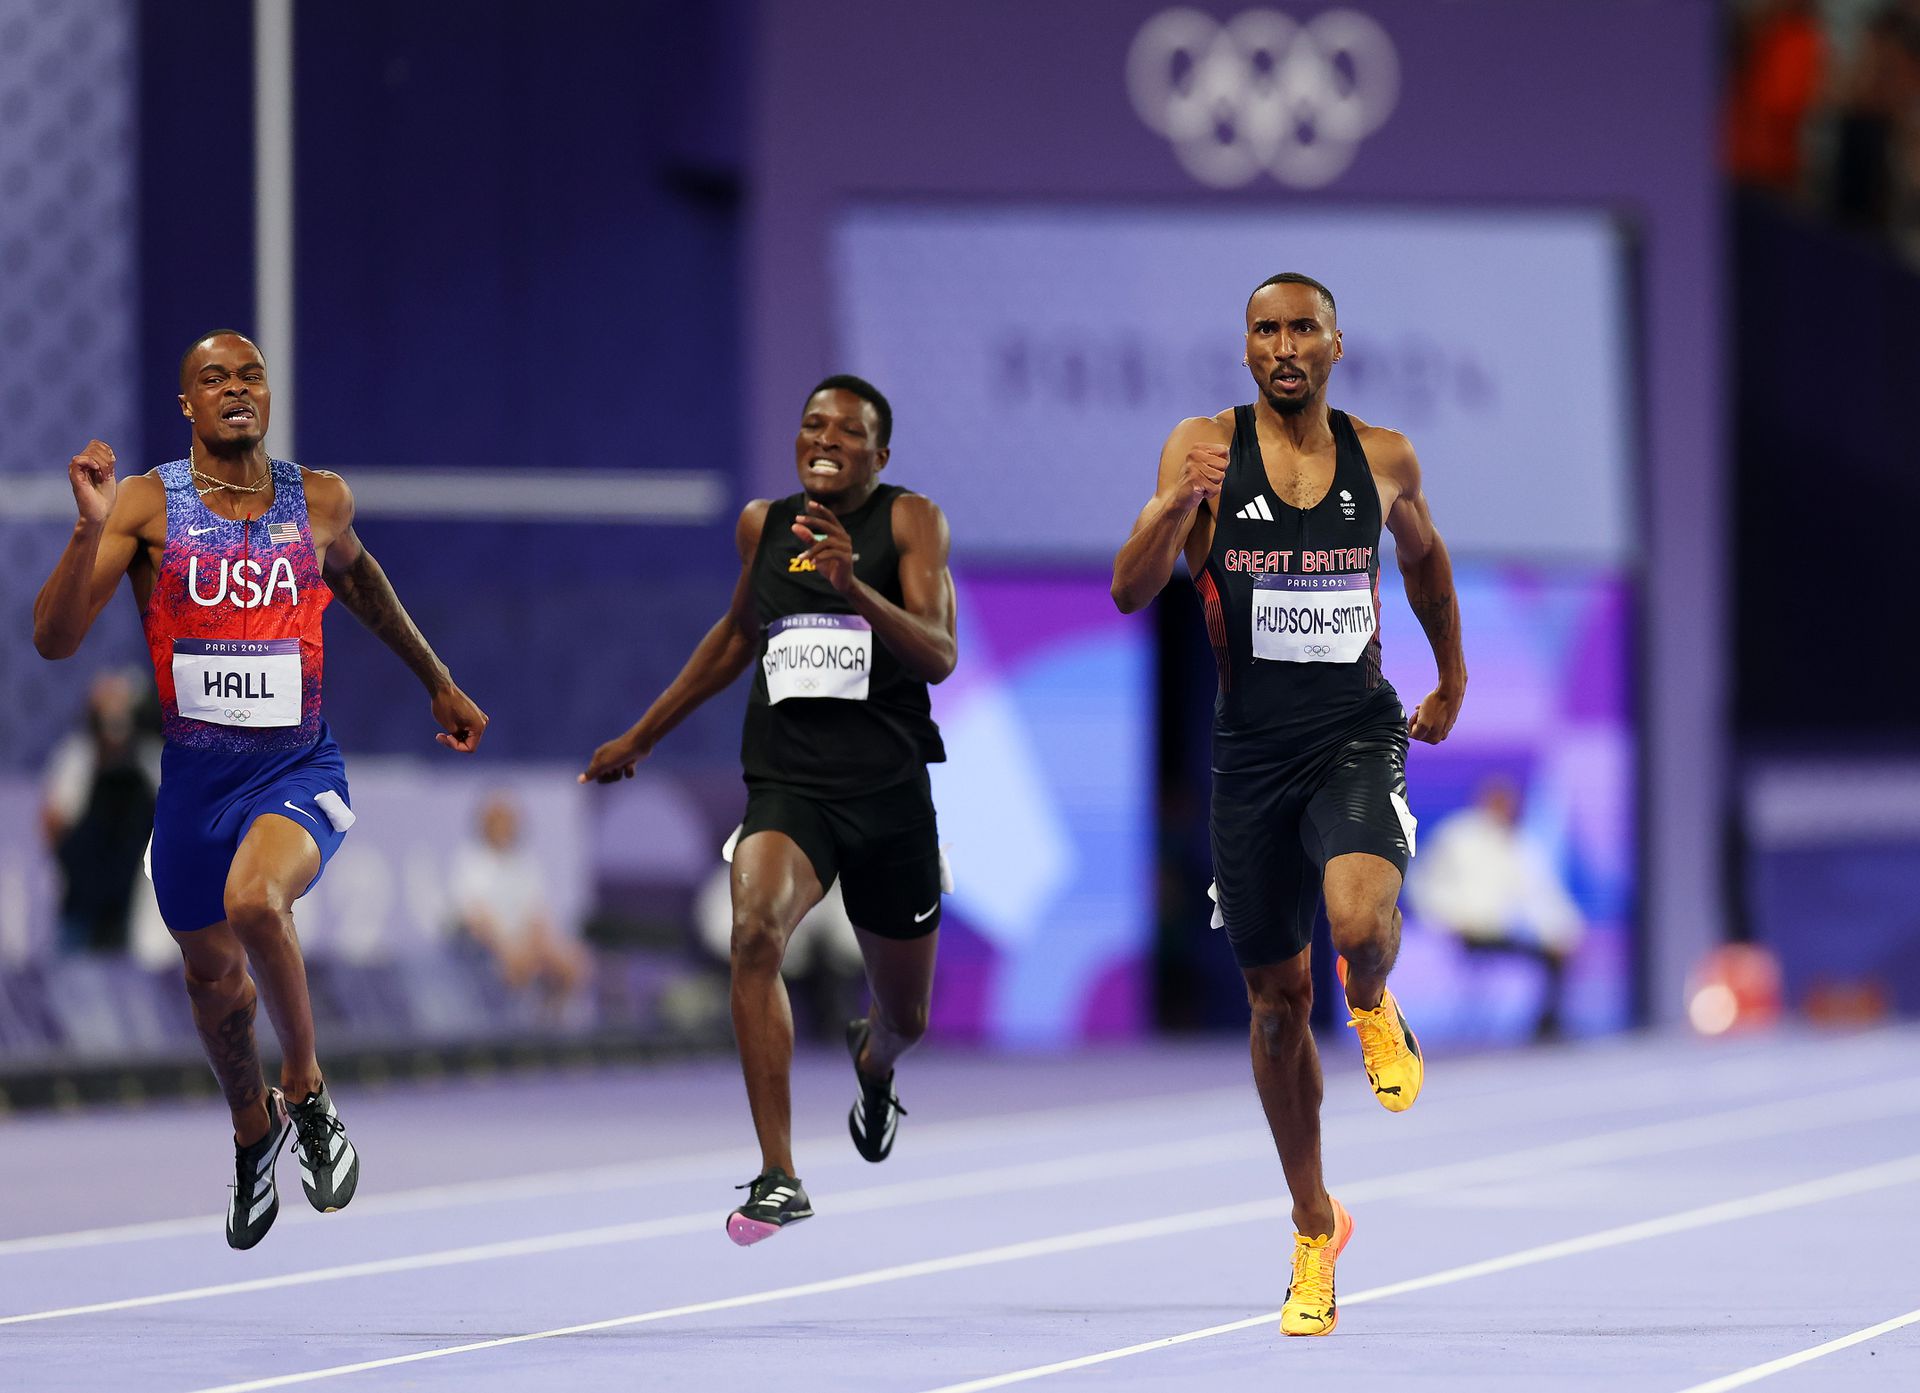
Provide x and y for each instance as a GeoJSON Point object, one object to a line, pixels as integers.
{"type": "Point", "coordinates": [1274, 827]}
{"type": "Point", "coordinates": [884, 847]}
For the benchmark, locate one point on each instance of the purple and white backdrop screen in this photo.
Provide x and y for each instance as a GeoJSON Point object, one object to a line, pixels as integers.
{"type": "Point", "coordinates": [1059, 347]}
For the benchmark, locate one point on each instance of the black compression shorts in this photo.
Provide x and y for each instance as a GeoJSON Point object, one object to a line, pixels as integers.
{"type": "Point", "coordinates": [1274, 827]}
{"type": "Point", "coordinates": [884, 847]}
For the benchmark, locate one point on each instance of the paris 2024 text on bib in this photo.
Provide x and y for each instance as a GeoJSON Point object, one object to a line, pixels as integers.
{"type": "Point", "coordinates": [238, 682]}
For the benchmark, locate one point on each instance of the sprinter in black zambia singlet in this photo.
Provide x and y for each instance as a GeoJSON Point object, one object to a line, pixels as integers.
{"type": "Point", "coordinates": [845, 609]}
{"type": "Point", "coordinates": [1277, 508]}
{"type": "Point", "coordinates": [861, 721]}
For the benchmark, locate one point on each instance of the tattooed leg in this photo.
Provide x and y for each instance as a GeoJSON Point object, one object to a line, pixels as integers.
{"type": "Point", "coordinates": [223, 1008]}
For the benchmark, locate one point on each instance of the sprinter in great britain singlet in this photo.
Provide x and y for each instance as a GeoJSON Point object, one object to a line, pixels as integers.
{"type": "Point", "coordinates": [234, 630]}
{"type": "Point", "coordinates": [1309, 740]}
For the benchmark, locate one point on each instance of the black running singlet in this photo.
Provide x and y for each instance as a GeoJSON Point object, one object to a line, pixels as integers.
{"type": "Point", "coordinates": [833, 712]}
{"type": "Point", "coordinates": [1292, 602]}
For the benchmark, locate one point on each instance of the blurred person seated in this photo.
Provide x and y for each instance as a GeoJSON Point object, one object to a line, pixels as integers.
{"type": "Point", "coordinates": [499, 894]}
{"type": "Point", "coordinates": [96, 814]}
{"type": "Point", "coordinates": [1778, 73]}
{"type": "Point", "coordinates": [823, 956]}
{"type": "Point", "coordinates": [1481, 878]}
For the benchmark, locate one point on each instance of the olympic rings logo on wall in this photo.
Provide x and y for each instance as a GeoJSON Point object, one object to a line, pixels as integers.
{"type": "Point", "coordinates": [1263, 92]}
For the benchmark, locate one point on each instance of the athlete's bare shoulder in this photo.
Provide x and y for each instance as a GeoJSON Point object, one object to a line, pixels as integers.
{"type": "Point", "coordinates": [139, 505]}
{"type": "Point", "coordinates": [746, 532]}
{"type": "Point", "coordinates": [917, 508]}
{"type": "Point", "coordinates": [1390, 457]}
{"type": "Point", "coordinates": [1389, 453]}
{"type": "Point", "coordinates": [329, 504]}
{"type": "Point", "coordinates": [1387, 449]}
{"type": "Point", "coordinates": [1204, 430]}
{"type": "Point", "coordinates": [918, 522]}
{"type": "Point", "coordinates": [323, 486]}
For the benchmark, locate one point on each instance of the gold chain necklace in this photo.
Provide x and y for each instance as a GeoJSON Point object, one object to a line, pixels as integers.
{"type": "Point", "coordinates": [215, 485]}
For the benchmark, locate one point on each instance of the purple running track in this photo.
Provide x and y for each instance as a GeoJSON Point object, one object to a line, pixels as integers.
{"type": "Point", "coordinates": [1650, 1213]}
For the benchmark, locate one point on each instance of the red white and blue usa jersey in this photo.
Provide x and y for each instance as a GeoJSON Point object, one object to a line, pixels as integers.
{"type": "Point", "coordinates": [233, 624]}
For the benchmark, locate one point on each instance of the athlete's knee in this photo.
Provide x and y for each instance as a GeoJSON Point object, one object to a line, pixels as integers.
{"type": "Point", "coordinates": [1282, 1010]}
{"type": "Point", "coordinates": [759, 942]}
{"type": "Point", "coordinates": [907, 1024]}
{"type": "Point", "coordinates": [256, 915]}
{"type": "Point", "coordinates": [1364, 931]}
{"type": "Point", "coordinates": [219, 986]}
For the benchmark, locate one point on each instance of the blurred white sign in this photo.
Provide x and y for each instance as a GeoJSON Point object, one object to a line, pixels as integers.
{"type": "Point", "coordinates": [1037, 359]}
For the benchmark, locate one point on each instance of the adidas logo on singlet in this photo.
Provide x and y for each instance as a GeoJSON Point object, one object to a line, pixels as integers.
{"type": "Point", "coordinates": [1257, 510]}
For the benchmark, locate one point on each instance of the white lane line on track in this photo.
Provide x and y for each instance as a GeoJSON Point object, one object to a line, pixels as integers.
{"type": "Point", "coordinates": [1743, 1124]}
{"type": "Point", "coordinates": [1887, 1174]}
{"type": "Point", "coordinates": [1741, 1378]}
{"type": "Point", "coordinates": [1652, 1087]}
{"type": "Point", "coordinates": [621, 1175]}
{"type": "Point", "coordinates": [1856, 1182]}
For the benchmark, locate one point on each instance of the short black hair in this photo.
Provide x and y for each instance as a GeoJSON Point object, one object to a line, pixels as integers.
{"type": "Point", "coordinates": [866, 391]}
{"type": "Point", "coordinates": [1296, 278]}
{"type": "Point", "coordinates": [187, 357]}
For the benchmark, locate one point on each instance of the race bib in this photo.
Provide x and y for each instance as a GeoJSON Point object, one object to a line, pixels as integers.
{"type": "Point", "coordinates": [1312, 619]}
{"type": "Point", "coordinates": [238, 682]}
{"type": "Point", "coordinates": [818, 655]}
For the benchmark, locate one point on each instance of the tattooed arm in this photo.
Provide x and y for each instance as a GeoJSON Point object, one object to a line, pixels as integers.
{"type": "Point", "coordinates": [358, 583]}
{"type": "Point", "coordinates": [1427, 572]}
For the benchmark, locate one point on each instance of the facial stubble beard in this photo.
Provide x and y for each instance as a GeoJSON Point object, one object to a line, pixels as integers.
{"type": "Point", "coordinates": [1287, 406]}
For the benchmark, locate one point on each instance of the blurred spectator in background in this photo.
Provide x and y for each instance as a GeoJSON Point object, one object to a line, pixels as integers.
{"type": "Point", "coordinates": [1823, 105]}
{"type": "Point", "coordinates": [499, 894]}
{"type": "Point", "coordinates": [1875, 93]}
{"type": "Point", "coordinates": [96, 813]}
{"type": "Point", "coordinates": [823, 956]}
{"type": "Point", "coordinates": [1778, 70]}
{"type": "Point", "coordinates": [1481, 878]}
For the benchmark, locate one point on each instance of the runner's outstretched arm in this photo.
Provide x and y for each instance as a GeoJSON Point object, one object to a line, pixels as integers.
{"type": "Point", "coordinates": [920, 630]}
{"type": "Point", "coordinates": [1193, 465]}
{"type": "Point", "coordinates": [717, 660]}
{"type": "Point", "coordinates": [1427, 572]}
{"type": "Point", "coordinates": [358, 582]}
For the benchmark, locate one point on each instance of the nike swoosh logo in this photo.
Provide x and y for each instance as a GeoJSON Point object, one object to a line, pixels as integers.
{"type": "Point", "coordinates": [302, 811]}
{"type": "Point", "coordinates": [196, 531]}
{"type": "Point", "coordinates": [922, 918]}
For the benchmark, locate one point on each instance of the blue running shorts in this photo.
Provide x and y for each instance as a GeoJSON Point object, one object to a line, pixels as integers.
{"type": "Point", "coordinates": [208, 799]}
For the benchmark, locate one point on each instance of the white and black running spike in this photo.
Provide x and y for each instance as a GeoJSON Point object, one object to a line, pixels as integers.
{"type": "Point", "coordinates": [255, 1201]}
{"type": "Point", "coordinates": [876, 1110]}
{"type": "Point", "coordinates": [329, 1166]}
{"type": "Point", "coordinates": [774, 1200]}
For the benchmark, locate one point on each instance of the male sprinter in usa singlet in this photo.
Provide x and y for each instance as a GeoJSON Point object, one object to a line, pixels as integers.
{"type": "Point", "coordinates": [845, 600]}
{"type": "Point", "coordinates": [233, 556]}
{"type": "Point", "coordinates": [1278, 508]}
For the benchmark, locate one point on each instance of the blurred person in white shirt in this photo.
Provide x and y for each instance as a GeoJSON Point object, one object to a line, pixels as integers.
{"type": "Point", "coordinates": [1481, 878]}
{"type": "Point", "coordinates": [499, 892]}
{"type": "Point", "coordinates": [823, 955]}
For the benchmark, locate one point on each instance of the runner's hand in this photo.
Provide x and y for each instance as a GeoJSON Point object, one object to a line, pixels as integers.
{"type": "Point", "coordinates": [94, 484]}
{"type": "Point", "coordinates": [461, 722]}
{"type": "Point", "coordinates": [1432, 720]}
{"type": "Point", "coordinates": [1201, 476]}
{"type": "Point", "coordinates": [614, 760]}
{"type": "Point", "coordinates": [832, 549]}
